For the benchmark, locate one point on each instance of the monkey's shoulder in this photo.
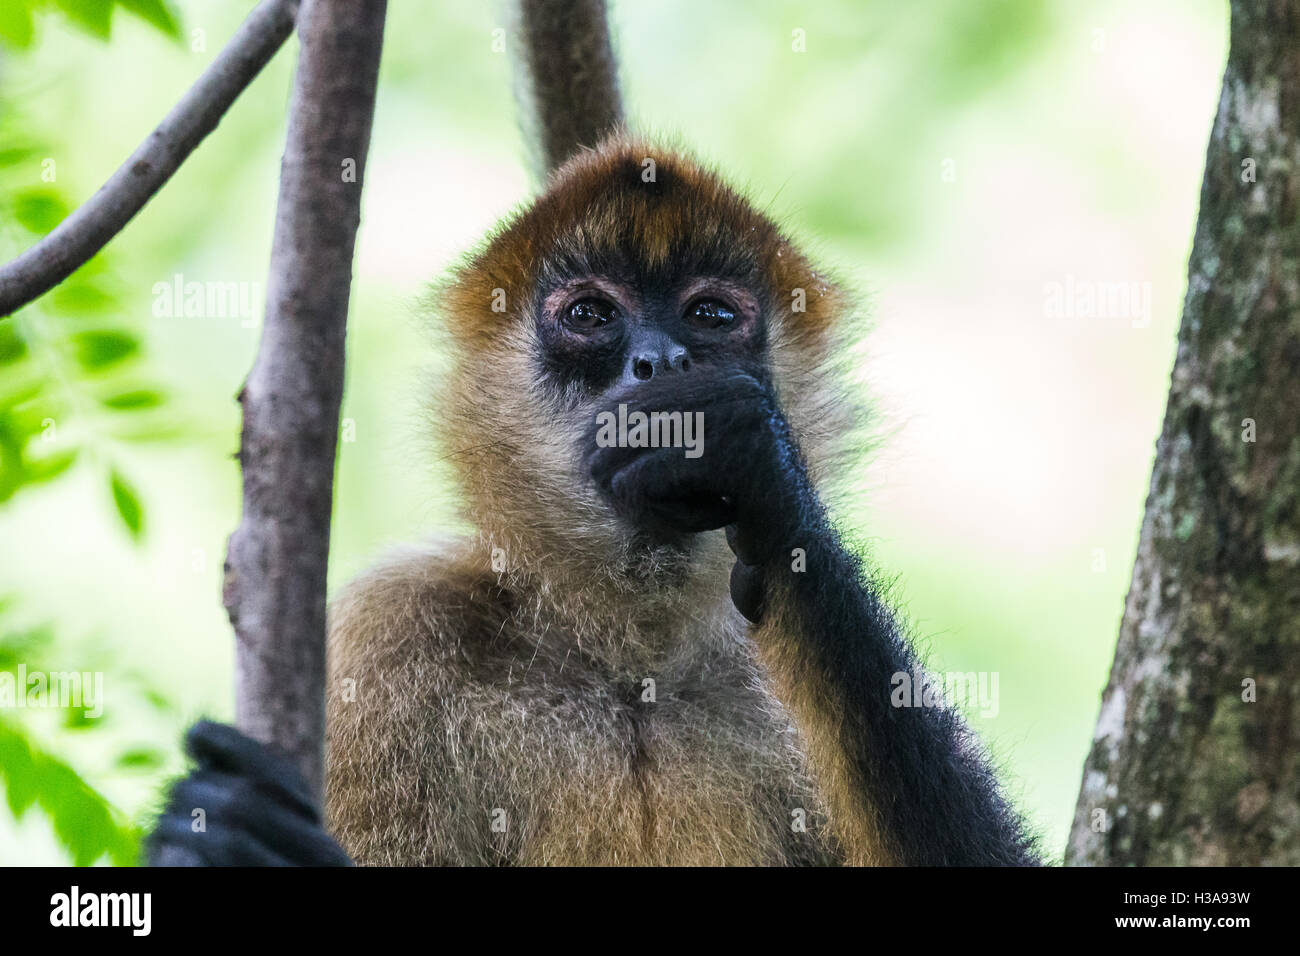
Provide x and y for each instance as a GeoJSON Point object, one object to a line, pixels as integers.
{"type": "Point", "coordinates": [421, 607]}
{"type": "Point", "coordinates": [408, 714]}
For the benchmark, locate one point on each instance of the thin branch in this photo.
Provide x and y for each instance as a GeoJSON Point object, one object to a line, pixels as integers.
{"type": "Point", "coordinates": [75, 240]}
{"type": "Point", "coordinates": [275, 571]}
{"type": "Point", "coordinates": [568, 71]}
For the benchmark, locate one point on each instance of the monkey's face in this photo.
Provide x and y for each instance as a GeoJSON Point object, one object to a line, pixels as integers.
{"type": "Point", "coordinates": [635, 270]}
{"type": "Point", "coordinates": [601, 332]}
{"type": "Point", "coordinates": [644, 265]}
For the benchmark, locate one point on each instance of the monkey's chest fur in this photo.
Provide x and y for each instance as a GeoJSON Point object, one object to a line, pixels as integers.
{"type": "Point", "coordinates": [693, 769]}
{"type": "Point", "coordinates": [451, 742]}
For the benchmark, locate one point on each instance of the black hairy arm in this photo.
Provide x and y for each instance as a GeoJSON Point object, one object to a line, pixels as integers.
{"type": "Point", "coordinates": [904, 785]}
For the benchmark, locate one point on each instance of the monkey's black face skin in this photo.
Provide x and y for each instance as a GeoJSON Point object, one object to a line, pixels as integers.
{"type": "Point", "coordinates": [600, 332]}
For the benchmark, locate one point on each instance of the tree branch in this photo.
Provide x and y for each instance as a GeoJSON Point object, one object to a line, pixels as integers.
{"type": "Point", "coordinates": [1194, 757]}
{"type": "Point", "coordinates": [275, 570]}
{"type": "Point", "coordinates": [89, 228]}
{"type": "Point", "coordinates": [568, 71]}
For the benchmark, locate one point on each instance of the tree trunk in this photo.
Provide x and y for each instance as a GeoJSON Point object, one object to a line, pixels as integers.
{"type": "Point", "coordinates": [1194, 760]}
{"type": "Point", "coordinates": [275, 571]}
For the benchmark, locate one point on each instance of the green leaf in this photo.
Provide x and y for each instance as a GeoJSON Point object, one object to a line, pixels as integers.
{"type": "Point", "coordinates": [128, 504]}
{"type": "Point", "coordinates": [93, 16]}
{"type": "Point", "coordinates": [16, 27]}
{"type": "Point", "coordinates": [12, 347]}
{"type": "Point", "coordinates": [27, 644]}
{"type": "Point", "coordinates": [75, 719]}
{"type": "Point", "coordinates": [152, 432]}
{"type": "Point", "coordinates": [138, 398]}
{"type": "Point", "coordinates": [11, 461]}
{"type": "Point", "coordinates": [39, 210]}
{"type": "Point", "coordinates": [157, 700]}
{"type": "Point", "coordinates": [84, 822]}
{"type": "Point", "coordinates": [78, 294]}
{"type": "Point", "coordinates": [48, 468]}
{"type": "Point", "coordinates": [17, 766]}
{"type": "Point", "coordinates": [156, 12]}
{"type": "Point", "coordinates": [100, 348]}
{"type": "Point", "coordinates": [13, 155]}
{"type": "Point", "coordinates": [17, 398]}
{"type": "Point", "coordinates": [141, 758]}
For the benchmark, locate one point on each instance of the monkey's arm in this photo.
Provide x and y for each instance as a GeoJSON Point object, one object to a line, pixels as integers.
{"type": "Point", "coordinates": [905, 785]}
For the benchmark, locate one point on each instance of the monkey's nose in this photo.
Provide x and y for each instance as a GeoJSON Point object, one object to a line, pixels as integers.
{"type": "Point", "coordinates": [674, 359]}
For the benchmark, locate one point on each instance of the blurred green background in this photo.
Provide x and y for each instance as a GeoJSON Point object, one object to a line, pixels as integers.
{"type": "Point", "coordinates": [952, 159]}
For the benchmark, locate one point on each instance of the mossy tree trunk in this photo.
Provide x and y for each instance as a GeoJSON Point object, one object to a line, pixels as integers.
{"type": "Point", "coordinates": [1195, 758]}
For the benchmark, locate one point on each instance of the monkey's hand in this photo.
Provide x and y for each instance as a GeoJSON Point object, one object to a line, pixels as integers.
{"type": "Point", "coordinates": [241, 806]}
{"type": "Point", "coordinates": [741, 471]}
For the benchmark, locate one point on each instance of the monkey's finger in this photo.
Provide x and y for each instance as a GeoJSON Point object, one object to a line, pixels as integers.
{"type": "Point", "coordinates": [747, 591]}
{"type": "Point", "coordinates": [604, 460]}
{"type": "Point", "coordinates": [691, 514]}
{"type": "Point", "coordinates": [743, 545]}
{"type": "Point", "coordinates": [159, 853]}
{"type": "Point", "coordinates": [174, 843]}
{"type": "Point", "coordinates": [705, 386]}
{"type": "Point", "coordinates": [686, 496]}
{"type": "Point", "coordinates": [224, 749]}
{"type": "Point", "coordinates": [240, 809]}
{"type": "Point", "coordinates": [604, 463]}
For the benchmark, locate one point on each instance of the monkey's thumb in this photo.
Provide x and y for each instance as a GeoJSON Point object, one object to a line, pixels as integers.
{"type": "Point", "coordinates": [747, 590]}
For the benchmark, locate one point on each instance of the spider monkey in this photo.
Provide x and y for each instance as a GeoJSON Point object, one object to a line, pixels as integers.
{"type": "Point", "coordinates": [644, 656]}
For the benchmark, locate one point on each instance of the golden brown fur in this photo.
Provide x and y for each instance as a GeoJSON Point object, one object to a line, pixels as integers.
{"type": "Point", "coordinates": [458, 691]}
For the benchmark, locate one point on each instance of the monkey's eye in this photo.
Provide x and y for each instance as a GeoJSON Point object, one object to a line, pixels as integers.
{"type": "Point", "coordinates": [711, 314]}
{"type": "Point", "coordinates": [586, 315]}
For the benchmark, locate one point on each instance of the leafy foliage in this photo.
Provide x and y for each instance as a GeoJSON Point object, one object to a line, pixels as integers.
{"type": "Point", "coordinates": [69, 360]}
{"type": "Point", "coordinates": [72, 391]}
{"type": "Point", "coordinates": [84, 822]}
{"type": "Point", "coordinates": [128, 504]}
{"type": "Point", "coordinates": [18, 17]}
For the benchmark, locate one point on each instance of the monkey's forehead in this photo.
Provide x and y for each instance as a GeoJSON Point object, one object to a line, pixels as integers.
{"type": "Point", "coordinates": [636, 212]}
{"type": "Point", "coordinates": [644, 209]}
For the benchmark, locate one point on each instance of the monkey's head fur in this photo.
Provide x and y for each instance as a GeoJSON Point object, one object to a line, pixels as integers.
{"type": "Point", "coordinates": [632, 221]}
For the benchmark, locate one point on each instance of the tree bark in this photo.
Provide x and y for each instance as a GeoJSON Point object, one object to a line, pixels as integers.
{"type": "Point", "coordinates": [275, 570]}
{"type": "Point", "coordinates": [1195, 757]}
{"type": "Point", "coordinates": [568, 71]}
